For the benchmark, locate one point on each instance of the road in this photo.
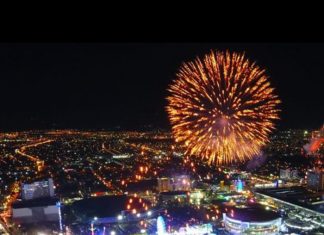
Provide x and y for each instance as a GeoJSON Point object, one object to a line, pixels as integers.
{"type": "Point", "coordinates": [22, 151]}
{"type": "Point", "coordinates": [6, 214]}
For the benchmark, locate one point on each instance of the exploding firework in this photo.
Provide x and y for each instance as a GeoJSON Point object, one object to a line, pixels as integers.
{"type": "Point", "coordinates": [222, 108]}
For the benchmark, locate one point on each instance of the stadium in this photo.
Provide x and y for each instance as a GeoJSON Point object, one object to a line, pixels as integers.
{"type": "Point", "coordinates": [251, 220]}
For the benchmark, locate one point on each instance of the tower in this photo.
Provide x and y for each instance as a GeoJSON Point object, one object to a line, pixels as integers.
{"type": "Point", "coordinates": [160, 225]}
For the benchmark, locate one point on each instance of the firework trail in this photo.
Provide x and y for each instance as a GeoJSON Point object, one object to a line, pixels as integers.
{"type": "Point", "coordinates": [222, 107]}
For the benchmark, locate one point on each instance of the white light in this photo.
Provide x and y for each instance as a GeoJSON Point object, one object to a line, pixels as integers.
{"type": "Point", "coordinates": [95, 218]}
{"type": "Point", "coordinates": [149, 213]}
{"type": "Point", "coordinates": [112, 233]}
{"type": "Point", "coordinates": [119, 217]}
{"type": "Point", "coordinates": [138, 215]}
{"type": "Point", "coordinates": [143, 230]}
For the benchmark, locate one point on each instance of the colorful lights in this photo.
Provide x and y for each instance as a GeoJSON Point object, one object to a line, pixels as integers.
{"type": "Point", "coordinates": [222, 108]}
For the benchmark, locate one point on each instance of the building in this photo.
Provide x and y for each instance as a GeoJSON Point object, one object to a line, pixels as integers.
{"type": "Point", "coordinates": [201, 229]}
{"type": "Point", "coordinates": [164, 184]}
{"type": "Point", "coordinates": [318, 133]}
{"type": "Point", "coordinates": [284, 173]}
{"type": "Point", "coordinates": [196, 196]}
{"type": "Point", "coordinates": [294, 174]}
{"type": "Point", "coordinates": [232, 187]}
{"type": "Point", "coordinates": [181, 183]}
{"type": "Point", "coordinates": [38, 189]}
{"type": "Point", "coordinates": [235, 186]}
{"type": "Point", "coordinates": [176, 183]}
{"type": "Point", "coordinates": [316, 142]}
{"type": "Point", "coordinates": [120, 207]}
{"type": "Point", "coordinates": [40, 165]}
{"type": "Point", "coordinates": [239, 185]}
{"type": "Point", "coordinates": [121, 156]}
{"type": "Point", "coordinates": [295, 198]}
{"type": "Point", "coordinates": [221, 185]}
{"type": "Point", "coordinates": [36, 210]}
{"type": "Point", "coordinates": [315, 180]}
{"type": "Point", "coordinates": [174, 196]}
{"type": "Point", "coordinates": [251, 220]}
{"type": "Point", "coordinates": [287, 174]}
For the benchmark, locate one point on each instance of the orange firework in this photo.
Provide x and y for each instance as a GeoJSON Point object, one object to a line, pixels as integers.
{"type": "Point", "coordinates": [222, 107]}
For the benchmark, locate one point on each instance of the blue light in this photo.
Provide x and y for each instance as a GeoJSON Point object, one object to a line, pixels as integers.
{"type": "Point", "coordinates": [160, 224]}
{"type": "Point", "coordinates": [239, 185]}
{"type": "Point", "coordinates": [58, 204]}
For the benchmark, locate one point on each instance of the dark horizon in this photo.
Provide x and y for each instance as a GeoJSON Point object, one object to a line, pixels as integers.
{"type": "Point", "coordinates": [102, 86]}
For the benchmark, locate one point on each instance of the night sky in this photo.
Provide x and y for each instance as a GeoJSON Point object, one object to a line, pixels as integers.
{"type": "Point", "coordinates": [107, 86]}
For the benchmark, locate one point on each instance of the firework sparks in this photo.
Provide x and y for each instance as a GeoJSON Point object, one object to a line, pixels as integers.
{"type": "Point", "coordinates": [222, 107]}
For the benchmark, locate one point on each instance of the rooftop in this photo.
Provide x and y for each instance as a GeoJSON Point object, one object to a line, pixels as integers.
{"type": "Point", "coordinates": [105, 206]}
{"type": "Point", "coordinates": [252, 214]}
{"type": "Point", "coordinates": [38, 202]}
{"type": "Point", "coordinates": [174, 193]}
{"type": "Point", "coordinates": [296, 195]}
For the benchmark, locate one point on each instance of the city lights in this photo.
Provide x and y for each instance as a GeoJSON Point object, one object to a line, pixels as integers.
{"type": "Point", "coordinates": [208, 154]}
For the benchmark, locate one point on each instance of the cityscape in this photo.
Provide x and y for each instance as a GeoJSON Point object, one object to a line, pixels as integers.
{"type": "Point", "coordinates": [224, 162]}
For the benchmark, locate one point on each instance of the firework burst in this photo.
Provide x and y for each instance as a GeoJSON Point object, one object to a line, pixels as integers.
{"type": "Point", "coordinates": [222, 107]}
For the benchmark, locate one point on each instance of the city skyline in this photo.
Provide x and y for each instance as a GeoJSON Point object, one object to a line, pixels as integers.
{"type": "Point", "coordinates": [104, 86]}
{"type": "Point", "coordinates": [87, 145]}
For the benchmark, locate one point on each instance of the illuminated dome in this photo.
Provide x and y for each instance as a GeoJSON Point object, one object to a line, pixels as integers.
{"type": "Point", "coordinates": [251, 220]}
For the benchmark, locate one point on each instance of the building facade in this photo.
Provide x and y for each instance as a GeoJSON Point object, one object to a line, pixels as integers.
{"type": "Point", "coordinates": [38, 189]}
{"type": "Point", "coordinates": [176, 183]}
{"type": "Point", "coordinates": [315, 180]}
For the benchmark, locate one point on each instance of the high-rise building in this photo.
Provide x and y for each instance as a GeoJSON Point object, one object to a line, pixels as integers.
{"type": "Point", "coordinates": [315, 180]}
{"type": "Point", "coordinates": [38, 189]}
